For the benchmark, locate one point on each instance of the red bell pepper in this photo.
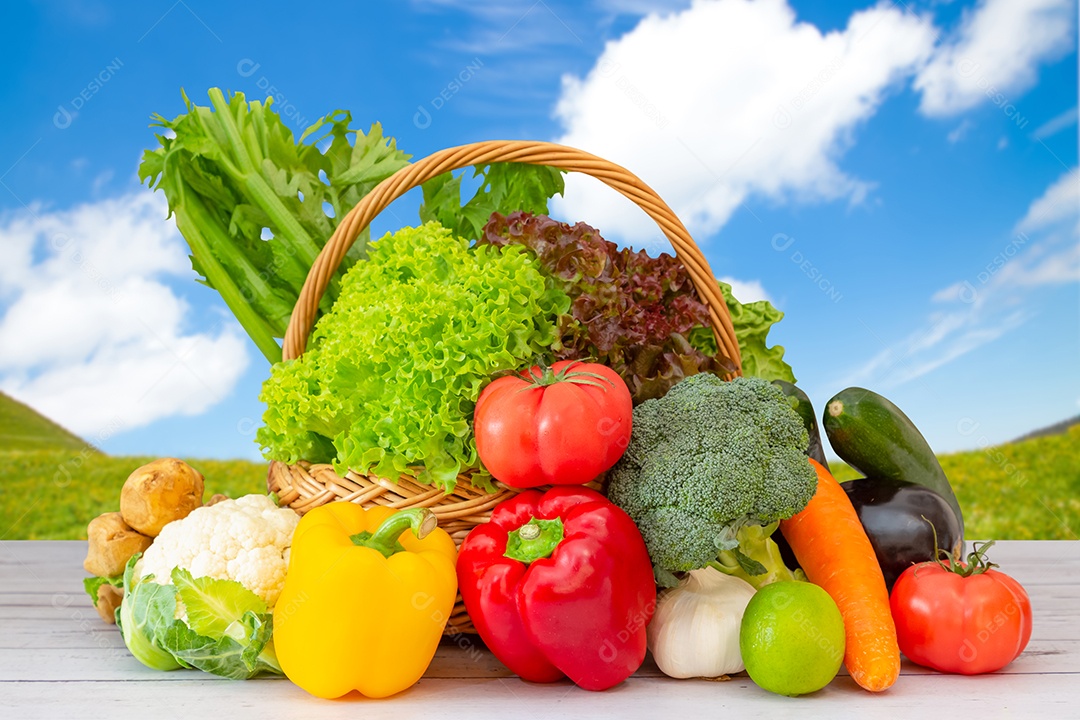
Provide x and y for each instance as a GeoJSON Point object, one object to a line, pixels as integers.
{"type": "Point", "coordinates": [560, 584]}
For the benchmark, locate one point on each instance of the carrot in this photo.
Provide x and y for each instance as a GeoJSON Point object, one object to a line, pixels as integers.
{"type": "Point", "coordinates": [834, 552]}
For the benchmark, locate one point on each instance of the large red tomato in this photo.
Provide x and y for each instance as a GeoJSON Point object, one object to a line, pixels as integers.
{"type": "Point", "coordinates": [960, 617]}
{"type": "Point", "coordinates": [562, 425]}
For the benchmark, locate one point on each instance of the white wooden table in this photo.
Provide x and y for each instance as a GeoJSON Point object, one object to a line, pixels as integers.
{"type": "Point", "coordinates": [58, 660]}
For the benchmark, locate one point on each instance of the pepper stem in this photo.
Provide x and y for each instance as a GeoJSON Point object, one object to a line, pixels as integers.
{"type": "Point", "coordinates": [385, 538]}
{"type": "Point", "coordinates": [534, 540]}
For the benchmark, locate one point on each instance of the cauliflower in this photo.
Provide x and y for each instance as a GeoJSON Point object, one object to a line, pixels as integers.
{"type": "Point", "coordinates": [246, 540]}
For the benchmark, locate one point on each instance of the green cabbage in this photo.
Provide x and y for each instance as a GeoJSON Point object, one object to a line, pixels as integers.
{"type": "Point", "coordinates": [392, 373]}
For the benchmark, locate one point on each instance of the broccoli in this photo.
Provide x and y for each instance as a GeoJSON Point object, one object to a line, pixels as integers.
{"type": "Point", "coordinates": [711, 469]}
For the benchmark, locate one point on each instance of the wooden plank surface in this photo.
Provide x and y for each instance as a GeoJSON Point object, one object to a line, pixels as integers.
{"type": "Point", "coordinates": [58, 660]}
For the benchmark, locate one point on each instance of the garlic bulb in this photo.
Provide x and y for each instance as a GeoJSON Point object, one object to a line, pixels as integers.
{"type": "Point", "coordinates": [695, 630]}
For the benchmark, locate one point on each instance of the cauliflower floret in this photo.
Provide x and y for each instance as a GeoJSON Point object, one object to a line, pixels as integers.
{"type": "Point", "coordinates": [246, 540]}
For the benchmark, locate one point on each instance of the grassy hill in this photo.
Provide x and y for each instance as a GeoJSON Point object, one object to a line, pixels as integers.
{"type": "Point", "coordinates": [23, 428]}
{"type": "Point", "coordinates": [54, 482]}
{"type": "Point", "coordinates": [1055, 429]}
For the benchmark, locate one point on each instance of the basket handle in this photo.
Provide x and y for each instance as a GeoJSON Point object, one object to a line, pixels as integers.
{"type": "Point", "coordinates": [519, 151]}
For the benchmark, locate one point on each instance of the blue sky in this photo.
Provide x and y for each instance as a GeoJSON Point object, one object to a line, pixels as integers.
{"type": "Point", "coordinates": [900, 179]}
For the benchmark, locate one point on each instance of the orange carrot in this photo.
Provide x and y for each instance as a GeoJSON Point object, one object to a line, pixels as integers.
{"type": "Point", "coordinates": [834, 552]}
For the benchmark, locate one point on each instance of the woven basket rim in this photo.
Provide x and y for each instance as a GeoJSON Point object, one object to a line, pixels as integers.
{"type": "Point", "coordinates": [563, 157]}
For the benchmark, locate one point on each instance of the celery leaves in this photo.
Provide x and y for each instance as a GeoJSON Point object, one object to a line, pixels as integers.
{"type": "Point", "coordinates": [251, 202]}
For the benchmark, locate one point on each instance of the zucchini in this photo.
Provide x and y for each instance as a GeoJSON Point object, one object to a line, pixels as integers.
{"type": "Point", "coordinates": [876, 438]}
{"type": "Point", "coordinates": [801, 403]}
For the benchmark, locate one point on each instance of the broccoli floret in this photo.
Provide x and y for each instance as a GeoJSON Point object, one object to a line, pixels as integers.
{"type": "Point", "coordinates": [711, 469]}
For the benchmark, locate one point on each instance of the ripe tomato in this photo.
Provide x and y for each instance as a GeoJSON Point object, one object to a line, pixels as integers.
{"type": "Point", "coordinates": [562, 425]}
{"type": "Point", "coordinates": [960, 617]}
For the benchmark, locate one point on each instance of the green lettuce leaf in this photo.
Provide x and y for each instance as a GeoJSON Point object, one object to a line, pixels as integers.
{"type": "Point", "coordinates": [504, 188]}
{"type": "Point", "coordinates": [752, 322]}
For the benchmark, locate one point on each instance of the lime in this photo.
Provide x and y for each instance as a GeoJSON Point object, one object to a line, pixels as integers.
{"type": "Point", "coordinates": [792, 638]}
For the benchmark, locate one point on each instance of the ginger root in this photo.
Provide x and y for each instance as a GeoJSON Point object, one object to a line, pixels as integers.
{"type": "Point", "coordinates": [112, 542]}
{"type": "Point", "coordinates": [160, 492]}
{"type": "Point", "coordinates": [108, 599]}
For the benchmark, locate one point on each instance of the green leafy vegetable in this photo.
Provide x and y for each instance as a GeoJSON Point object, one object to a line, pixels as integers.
{"type": "Point", "coordinates": [227, 632]}
{"type": "Point", "coordinates": [212, 604]}
{"type": "Point", "coordinates": [93, 584]}
{"type": "Point", "coordinates": [630, 311]}
{"type": "Point", "coordinates": [391, 376]}
{"type": "Point", "coordinates": [752, 322]}
{"type": "Point", "coordinates": [504, 188]}
{"type": "Point", "coordinates": [147, 611]}
{"type": "Point", "coordinates": [233, 171]}
{"type": "Point", "coordinates": [228, 629]}
{"type": "Point", "coordinates": [256, 205]}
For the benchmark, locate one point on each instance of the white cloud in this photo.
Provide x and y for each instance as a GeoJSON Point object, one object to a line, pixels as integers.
{"type": "Point", "coordinates": [90, 333]}
{"type": "Point", "coordinates": [960, 131]}
{"type": "Point", "coordinates": [747, 291]}
{"type": "Point", "coordinates": [729, 98]}
{"type": "Point", "coordinates": [1056, 124]}
{"type": "Point", "coordinates": [997, 49]}
{"type": "Point", "coordinates": [1059, 202]}
{"type": "Point", "coordinates": [1044, 251]}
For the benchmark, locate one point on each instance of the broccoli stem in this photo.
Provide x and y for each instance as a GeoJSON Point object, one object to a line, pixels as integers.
{"type": "Point", "coordinates": [756, 557]}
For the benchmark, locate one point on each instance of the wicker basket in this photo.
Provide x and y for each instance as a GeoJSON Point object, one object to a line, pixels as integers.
{"type": "Point", "coordinates": [304, 486]}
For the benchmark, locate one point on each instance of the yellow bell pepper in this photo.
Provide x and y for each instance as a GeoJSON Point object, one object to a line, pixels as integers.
{"type": "Point", "coordinates": [365, 601]}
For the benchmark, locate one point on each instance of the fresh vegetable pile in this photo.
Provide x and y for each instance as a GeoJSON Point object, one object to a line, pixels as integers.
{"type": "Point", "coordinates": [393, 371]}
{"type": "Point", "coordinates": [494, 342]}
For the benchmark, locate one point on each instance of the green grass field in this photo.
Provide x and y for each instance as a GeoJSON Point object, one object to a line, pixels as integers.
{"type": "Point", "coordinates": [52, 495]}
{"type": "Point", "coordinates": [1028, 490]}
{"type": "Point", "coordinates": [54, 483]}
{"type": "Point", "coordinates": [1022, 491]}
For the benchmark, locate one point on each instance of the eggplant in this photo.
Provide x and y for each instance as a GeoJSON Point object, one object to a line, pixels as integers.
{"type": "Point", "coordinates": [897, 516]}
{"type": "Point", "coordinates": [801, 404]}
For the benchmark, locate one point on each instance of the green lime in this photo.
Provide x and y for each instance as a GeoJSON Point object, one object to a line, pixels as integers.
{"type": "Point", "coordinates": [792, 638]}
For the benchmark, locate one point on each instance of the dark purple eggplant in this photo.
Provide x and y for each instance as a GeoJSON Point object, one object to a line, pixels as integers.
{"type": "Point", "coordinates": [897, 516]}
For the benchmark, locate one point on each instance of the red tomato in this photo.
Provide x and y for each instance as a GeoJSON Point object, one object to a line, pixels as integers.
{"type": "Point", "coordinates": [562, 425]}
{"type": "Point", "coordinates": [959, 623]}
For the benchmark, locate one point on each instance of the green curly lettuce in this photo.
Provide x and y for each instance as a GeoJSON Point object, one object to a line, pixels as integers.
{"type": "Point", "coordinates": [392, 373]}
